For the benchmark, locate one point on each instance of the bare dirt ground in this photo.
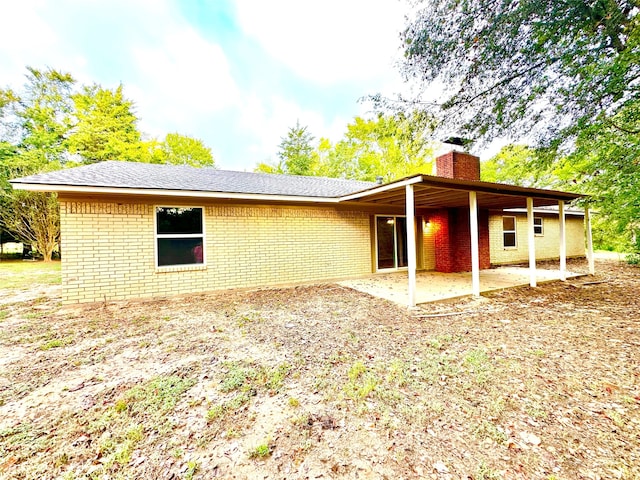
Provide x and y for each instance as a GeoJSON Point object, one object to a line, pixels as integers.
{"type": "Point", "coordinates": [325, 382]}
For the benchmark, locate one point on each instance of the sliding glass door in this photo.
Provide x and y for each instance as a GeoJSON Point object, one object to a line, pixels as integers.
{"type": "Point", "coordinates": [391, 242]}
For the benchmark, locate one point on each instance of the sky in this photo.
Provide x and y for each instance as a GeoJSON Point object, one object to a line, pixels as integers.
{"type": "Point", "coordinates": [237, 74]}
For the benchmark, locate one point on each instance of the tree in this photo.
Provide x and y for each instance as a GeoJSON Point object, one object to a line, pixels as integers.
{"type": "Point", "coordinates": [565, 76]}
{"type": "Point", "coordinates": [391, 146]}
{"type": "Point", "coordinates": [516, 165]}
{"type": "Point", "coordinates": [33, 138]}
{"type": "Point", "coordinates": [515, 67]}
{"type": "Point", "coordinates": [296, 151]}
{"type": "Point", "coordinates": [182, 150]}
{"type": "Point", "coordinates": [105, 126]}
{"type": "Point", "coordinates": [34, 217]}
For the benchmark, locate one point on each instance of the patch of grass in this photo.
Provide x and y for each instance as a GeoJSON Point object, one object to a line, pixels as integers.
{"type": "Point", "coordinates": [362, 381]}
{"type": "Point", "coordinates": [248, 318]}
{"type": "Point", "coordinates": [3, 314]}
{"type": "Point", "coordinates": [246, 379]}
{"type": "Point", "coordinates": [142, 409]}
{"type": "Point", "coordinates": [293, 402]}
{"type": "Point", "coordinates": [56, 343]}
{"type": "Point", "coordinates": [19, 274]}
{"type": "Point", "coordinates": [237, 376]}
{"type": "Point", "coordinates": [484, 472]}
{"type": "Point", "coordinates": [192, 469]}
{"type": "Point", "coordinates": [487, 429]}
{"type": "Point", "coordinates": [276, 376]}
{"type": "Point", "coordinates": [215, 412]}
{"type": "Point", "coordinates": [478, 361]}
{"type": "Point", "coordinates": [261, 451]}
{"type": "Point", "coordinates": [440, 342]}
{"type": "Point", "coordinates": [398, 373]}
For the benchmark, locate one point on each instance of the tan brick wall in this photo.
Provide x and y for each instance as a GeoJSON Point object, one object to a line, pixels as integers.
{"type": "Point", "coordinates": [109, 249]}
{"type": "Point", "coordinates": [547, 246]}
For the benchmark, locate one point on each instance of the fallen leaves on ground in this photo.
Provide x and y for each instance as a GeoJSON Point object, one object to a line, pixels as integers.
{"type": "Point", "coordinates": [325, 382]}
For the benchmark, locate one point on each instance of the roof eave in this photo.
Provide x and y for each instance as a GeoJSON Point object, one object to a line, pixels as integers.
{"type": "Point", "coordinates": [155, 192]}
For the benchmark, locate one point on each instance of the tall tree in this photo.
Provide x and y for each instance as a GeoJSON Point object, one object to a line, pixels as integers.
{"type": "Point", "coordinates": [182, 150]}
{"type": "Point", "coordinates": [33, 136]}
{"type": "Point", "coordinates": [296, 151]}
{"type": "Point", "coordinates": [563, 75]}
{"type": "Point", "coordinates": [105, 126]}
{"type": "Point", "coordinates": [510, 67]}
{"type": "Point", "coordinates": [391, 146]}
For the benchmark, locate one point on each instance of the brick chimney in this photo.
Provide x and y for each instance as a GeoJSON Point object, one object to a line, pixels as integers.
{"type": "Point", "coordinates": [458, 165]}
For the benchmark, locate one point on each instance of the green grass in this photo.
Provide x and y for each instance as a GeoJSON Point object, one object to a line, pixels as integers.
{"type": "Point", "coordinates": [19, 274]}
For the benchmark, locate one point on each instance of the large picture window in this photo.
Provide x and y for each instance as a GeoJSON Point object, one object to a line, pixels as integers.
{"type": "Point", "coordinates": [509, 232]}
{"type": "Point", "coordinates": [179, 236]}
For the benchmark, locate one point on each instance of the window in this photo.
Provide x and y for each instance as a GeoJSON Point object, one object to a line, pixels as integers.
{"type": "Point", "coordinates": [509, 232]}
{"type": "Point", "coordinates": [179, 236]}
{"type": "Point", "coordinates": [391, 240]}
{"type": "Point", "coordinates": [537, 226]}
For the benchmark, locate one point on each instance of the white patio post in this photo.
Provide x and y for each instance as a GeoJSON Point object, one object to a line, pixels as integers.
{"type": "Point", "coordinates": [587, 219]}
{"type": "Point", "coordinates": [563, 241]}
{"type": "Point", "coordinates": [475, 249]}
{"type": "Point", "coordinates": [411, 244]}
{"type": "Point", "coordinates": [532, 246]}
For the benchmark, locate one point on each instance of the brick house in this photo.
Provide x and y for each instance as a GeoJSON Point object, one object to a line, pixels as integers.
{"type": "Point", "coordinates": [140, 230]}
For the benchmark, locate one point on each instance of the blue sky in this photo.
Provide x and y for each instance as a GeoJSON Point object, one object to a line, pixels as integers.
{"type": "Point", "coordinates": [234, 73]}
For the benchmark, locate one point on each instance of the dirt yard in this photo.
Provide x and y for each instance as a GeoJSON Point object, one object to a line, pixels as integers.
{"type": "Point", "coordinates": [325, 382]}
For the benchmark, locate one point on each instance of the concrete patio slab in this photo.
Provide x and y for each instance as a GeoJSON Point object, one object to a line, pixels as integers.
{"type": "Point", "coordinates": [435, 286]}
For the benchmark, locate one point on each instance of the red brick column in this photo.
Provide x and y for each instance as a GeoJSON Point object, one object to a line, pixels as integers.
{"type": "Point", "coordinates": [452, 239]}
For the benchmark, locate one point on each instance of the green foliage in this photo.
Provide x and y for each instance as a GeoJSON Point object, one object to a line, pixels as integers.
{"type": "Point", "coordinates": [53, 123]}
{"type": "Point", "coordinates": [515, 165]}
{"type": "Point", "coordinates": [295, 152]}
{"type": "Point", "coordinates": [563, 75]}
{"type": "Point", "coordinates": [391, 146]}
{"type": "Point", "coordinates": [261, 451]}
{"type": "Point", "coordinates": [517, 67]}
{"type": "Point", "coordinates": [633, 259]}
{"type": "Point", "coordinates": [105, 126]}
{"type": "Point", "coordinates": [183, 150]}
{"type": "Point", "coordinates": [362, 381]}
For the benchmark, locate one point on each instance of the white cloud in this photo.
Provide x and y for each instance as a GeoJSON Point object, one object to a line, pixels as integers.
{"type": "Point", "coordinates": [27, 38]}
{"type": "Point", "coordinates": [180, 78]}
{"type": "Point", "coordinates": [266, 120]}
{"type": "Point", "coordinates": [327, 41]}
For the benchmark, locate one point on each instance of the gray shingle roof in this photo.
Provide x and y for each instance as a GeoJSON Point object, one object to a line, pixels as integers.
{"type": "Point", "coordinates": [178, 177]}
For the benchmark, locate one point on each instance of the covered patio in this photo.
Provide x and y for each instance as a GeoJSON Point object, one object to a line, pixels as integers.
{"type": "Point", "coordinates": [436, 286]}
{"type": "Point", "coordinates": [422, 196]}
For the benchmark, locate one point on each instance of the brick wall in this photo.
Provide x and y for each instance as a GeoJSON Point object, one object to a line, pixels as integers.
{"type": "Point", "coordinates": [109, 249]}
{"type": "Point", "coordinates": [429, 246]}
{"type": "Point", "coordinates": [547, 246]}
{"type": "Point", "coordinates": [463, 166]}
{"type": "Point", "coordinates": [452, 239]}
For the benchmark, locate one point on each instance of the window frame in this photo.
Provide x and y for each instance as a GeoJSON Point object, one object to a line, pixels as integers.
{"type": "Point", "coordinates": [514, 232]}
{"type": "Point", "coordinates": [541, 234]}
{"type": "Point", "coordinates": [156, 236]}
{"type": "Point", "coordinates": [395, 268]}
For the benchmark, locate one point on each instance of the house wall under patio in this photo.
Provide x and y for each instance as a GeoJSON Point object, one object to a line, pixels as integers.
{"type": "Point", "coordinates": [547, 245]}
{"type": "Point", "coordinates": [109, 248]}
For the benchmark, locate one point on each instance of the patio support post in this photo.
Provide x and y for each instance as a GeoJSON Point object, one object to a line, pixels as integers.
{"type": "Point", "coordinates": [411, 244]}
{"type": "Point", "coordinates": [532, 245]}
{"type": "Point", "coordinates": [587, 219]}
{"type": "Point", "coordinates": [475, 255]}
{"type": "Point", "coordinates": [563, 241]}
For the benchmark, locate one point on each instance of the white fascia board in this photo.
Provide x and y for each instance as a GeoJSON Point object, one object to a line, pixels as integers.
{"type": "Point", "coordinates": [567, 211]}
{"type": "Point", "coordinates": [36, 187]}
{"type": "Point", "coordinates": [382, 188]}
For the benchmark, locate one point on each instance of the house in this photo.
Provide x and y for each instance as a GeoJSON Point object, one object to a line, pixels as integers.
{"type": "Point", "coordinates": [140, 230]}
